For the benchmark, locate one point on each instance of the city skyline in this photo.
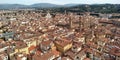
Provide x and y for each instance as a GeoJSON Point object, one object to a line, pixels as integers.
{"type": "Point", "coordinates": [60, 2]}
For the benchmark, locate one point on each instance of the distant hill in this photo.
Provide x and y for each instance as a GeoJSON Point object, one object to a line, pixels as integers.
{"type": "Point", "coordinates": [45, 5]}
{"type": "Point", "coordinates": [38, 5]}
{"type": "Point", "coordinates": [12, 6]}
{"type": "Point", "coordinates": [97, 8]}
{"type": "Point", "coordinates": [70, 5]}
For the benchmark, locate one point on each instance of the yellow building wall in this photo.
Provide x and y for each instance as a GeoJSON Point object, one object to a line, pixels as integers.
{"type": "Point", "coordinates": [32, 43]}
{"type": "Point", "coordinates": [63, 49]}
{"type": "Point", "coordinates": [22, 50]}
{"type": "Point", "coordinates": [67, 47]}
{"type": "Point", "coordinates": [102, 36]}
{"type": "Point", "coordinates": [25, 50]}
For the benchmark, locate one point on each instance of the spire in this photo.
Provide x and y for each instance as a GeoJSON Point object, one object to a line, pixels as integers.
{"type": "Point", "coordinates": [65, 12]}
{"type": "Point", "coordinates": [48, 15]}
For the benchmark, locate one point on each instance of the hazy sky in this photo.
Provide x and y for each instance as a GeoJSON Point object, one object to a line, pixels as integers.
{"type": "Point", "coordinates": [59, 1]}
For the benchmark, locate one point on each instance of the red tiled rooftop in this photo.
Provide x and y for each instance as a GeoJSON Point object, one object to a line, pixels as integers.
{"type": "Point", "coordinates": [63, 42]}
{"type": "Point", "coordinates": [48, 42]}
{"type": "Point", "coordinates": [115, 51]}
{"type": "Point", "coordinates": [31, 48]}
{"type": "Point", "coordinates": [87, 59]}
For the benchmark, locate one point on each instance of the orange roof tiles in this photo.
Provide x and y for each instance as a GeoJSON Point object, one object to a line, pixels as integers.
{"type": "Point", "coordinates": [63, 42]}
{"type": "Point", "coordinates": [87, 59]}
{"type": "Point", "coordinates": [48, 42]}
{"type": "Point", "coordinates": [31, 48]}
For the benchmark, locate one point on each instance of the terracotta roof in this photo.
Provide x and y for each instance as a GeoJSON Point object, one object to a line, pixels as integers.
{"type": "Point", "coordinates": [45, 56]}
{"type": "Point", "coordinates": [63, 42]}
{"type": "Point", "coordinates": [45, 43]}
{"type": "Point", "coordinates": [31, 48]}
{"type": "Point", "coordinates": [77, 45]}
{"type": "Point", "coordinates": [20, 44]}
{"type": "Point", "coordinates": [65, 58]}
{"type": "Point", "coordinates": [55, 52]}
{"type": "Point", "coordinates": [2, 54]}
{"type": "Point", "coordinates": [92, 44]}
{"type": "Point", "coordinates": [115, 51]}
{"type": "Point", "coordinates": [70, 54]}
{"type": "Point", "coordinates": [87, 59]}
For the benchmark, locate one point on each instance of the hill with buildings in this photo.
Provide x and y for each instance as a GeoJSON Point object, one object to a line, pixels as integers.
{"type": "Point", "coordinates": [97, 8]}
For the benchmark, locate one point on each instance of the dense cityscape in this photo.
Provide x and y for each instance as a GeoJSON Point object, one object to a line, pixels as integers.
{"type": "Point", "coordinates": [80, 32]}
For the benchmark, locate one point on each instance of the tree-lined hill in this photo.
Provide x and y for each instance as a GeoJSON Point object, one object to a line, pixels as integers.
{"type": "Point", "coordinates": [97, 8]}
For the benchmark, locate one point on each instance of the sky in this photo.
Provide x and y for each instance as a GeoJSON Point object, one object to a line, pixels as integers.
{"type": "Point", "coordinates": [60, 2]}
